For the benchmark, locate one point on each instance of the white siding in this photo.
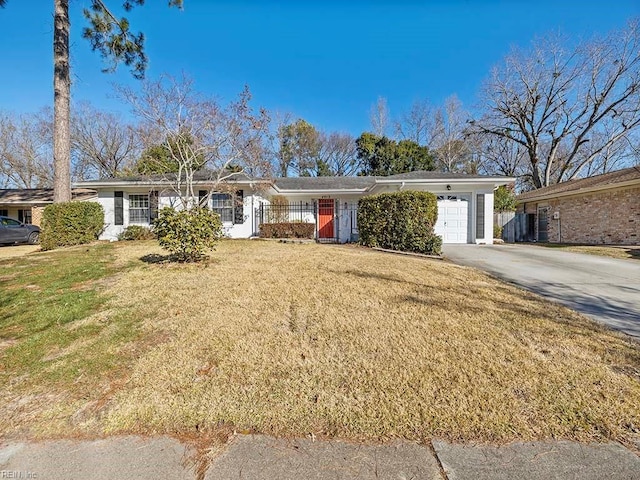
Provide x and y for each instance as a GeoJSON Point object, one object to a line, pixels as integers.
{"type": "Point", "coordinates": [169, 199]}
{"type": "Point", "coordinates": [345, 222]}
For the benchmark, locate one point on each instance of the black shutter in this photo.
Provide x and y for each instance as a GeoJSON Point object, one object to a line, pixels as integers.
{"type": "Point", "coordinates": [202, 198]}
{"type": "Point", "coordinates": [480, 216]}
{"type": "Point", "coordinates": [21, 216]}
{"type": "Point", "coordinates": [153, 205]}
{"type": "Point", "coordinates": [118, 211]}
{"type": "Point", "coordinates": [238, 208]}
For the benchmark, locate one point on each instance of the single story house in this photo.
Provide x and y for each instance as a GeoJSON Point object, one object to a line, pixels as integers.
{"type": "Point", "coordinates": [26, 204]}
{"type": "Point", "coordinates": [465, 202]}
{"type": "Point", "coordinates": [603, 209]}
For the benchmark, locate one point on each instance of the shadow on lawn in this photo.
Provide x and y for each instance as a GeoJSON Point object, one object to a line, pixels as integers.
{"type": "Point", "coordinates": [171, 259]}
{"type": "Point", "coordinates": [156, 258]}
{"type": "Point", "coordinates": [618, 313]}
{"type": "Point", "coordinates": [633, 253]}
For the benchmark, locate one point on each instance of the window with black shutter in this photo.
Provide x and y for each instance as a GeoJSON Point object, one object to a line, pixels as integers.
{"type": "Point", "coordinates": [118, 208]}
{"type": "Point", "coordinates": [238, 211]}
{"type": "Point", "coordinates": [202, 198]}
{"type": "Point", "coordinates": [25, 216]}
{"type": "Point", "coordinates": [153, 205]}
{"type": "Point", "coordinates": [480, 216]}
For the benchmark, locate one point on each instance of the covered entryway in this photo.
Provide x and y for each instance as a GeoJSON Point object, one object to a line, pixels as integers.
{"type": "Point", "coordinates": [453, 218]}
{"type": "Point", "coordinates": [326, 214]}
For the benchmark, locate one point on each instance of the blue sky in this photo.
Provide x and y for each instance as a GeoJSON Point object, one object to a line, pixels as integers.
{"type": "Point", "coordinates": [324, 61]}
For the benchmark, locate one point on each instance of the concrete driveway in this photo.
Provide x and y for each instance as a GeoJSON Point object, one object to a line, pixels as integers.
{"type": "Point", "coordinates": [605, 289]}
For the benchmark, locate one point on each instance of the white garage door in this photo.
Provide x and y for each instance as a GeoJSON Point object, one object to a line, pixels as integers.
{"type": "Point", "coordinates": [452, 220]}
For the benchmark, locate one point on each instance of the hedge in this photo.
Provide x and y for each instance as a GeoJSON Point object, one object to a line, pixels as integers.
{"type": "Point", "coordinates": [400, 221]}
{"type": "Point", "coordinates": [136, 232]}
{"type": "Point", "coordinates": [287, 230]}
{"type": "Point", "coordinates": [71, 223]}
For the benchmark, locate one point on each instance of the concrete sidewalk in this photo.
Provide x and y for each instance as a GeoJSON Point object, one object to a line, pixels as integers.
{"type": "Point", "coordinates": [259, 457]}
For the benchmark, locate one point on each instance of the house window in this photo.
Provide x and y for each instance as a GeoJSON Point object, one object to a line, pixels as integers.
{"type": "Point", "coordinates": [25, 216]}
{"type": "Point", "coordinates": [4, 213]}
{"type": "Point", "coordinates": [222, 204]}
{"type": "Point", "coordinates": [138, 208]}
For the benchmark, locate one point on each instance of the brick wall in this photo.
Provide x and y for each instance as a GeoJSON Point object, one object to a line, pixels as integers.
{"type": "Point", "coordinates": [36, 215]}
{"type": "Point", "coordinates": [609, 217]}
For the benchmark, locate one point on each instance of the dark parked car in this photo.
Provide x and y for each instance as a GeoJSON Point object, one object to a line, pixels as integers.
{"type": "Point", "coordinates": [12, 231]}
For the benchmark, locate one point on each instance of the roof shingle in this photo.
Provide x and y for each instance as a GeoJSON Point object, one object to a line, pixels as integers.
{"type": "Point", "coordinates": [39, 195]}
{"type": "Point", "coordinates": [604, 180]}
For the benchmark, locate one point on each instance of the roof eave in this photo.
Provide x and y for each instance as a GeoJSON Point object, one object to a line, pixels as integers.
{"type": "Point", "coordinates": [490, 180]}
{"type": "Point", "coordinates": [151, 183]}
{"type": "Point", "coordinates": [580, 191]}
{"type": "Point", "coordinates": [331, 191]}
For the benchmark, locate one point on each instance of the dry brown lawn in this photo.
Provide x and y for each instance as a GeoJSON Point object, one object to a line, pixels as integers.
{"type": "Point", "coordinates": [626, 252]}
{"type": "Point", "coordinates": [10, 251]}
{"type": "Point", "coordinates": [348, 342]}
{"type": "Point", "coordinates": [344, 341]}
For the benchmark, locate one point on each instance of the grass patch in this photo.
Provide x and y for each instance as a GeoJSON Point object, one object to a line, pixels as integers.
{"type": "Point", "coordinates": [623, 251]}
{"type": "Point", "coordinates": [296, 339]}
{"type": "Point", "coordinates": [352, 343]}
{"type": "Point", "coordinates": [57, 336]}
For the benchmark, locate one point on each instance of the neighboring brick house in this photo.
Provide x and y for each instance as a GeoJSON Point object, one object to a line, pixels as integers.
{"type": "Point", "coordinates": [26, 204]}
{"type": "Point", "coordinates": [604, 209]}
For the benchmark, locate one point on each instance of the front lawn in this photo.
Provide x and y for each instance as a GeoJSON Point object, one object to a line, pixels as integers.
{"type": "Point", "coordinates": [627, 252]}
{"type": "Point", "coordinates": [312, 339]}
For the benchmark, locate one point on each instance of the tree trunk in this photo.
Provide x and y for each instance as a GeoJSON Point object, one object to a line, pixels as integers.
{"type": "Point", "coordinates": [61, 103]}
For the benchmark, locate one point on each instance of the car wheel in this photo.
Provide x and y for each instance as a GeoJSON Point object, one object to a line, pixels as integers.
{"type": "Point", "coordinates": [34, 238]}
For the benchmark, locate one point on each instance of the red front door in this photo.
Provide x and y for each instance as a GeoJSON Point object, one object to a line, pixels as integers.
{"type": "Point", "coordinates": [325, 218]}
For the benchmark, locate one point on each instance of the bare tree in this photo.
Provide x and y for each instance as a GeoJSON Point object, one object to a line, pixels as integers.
{"type": "Point", "coordinates": [418, 124]}
{"type": "Point", "coordinates": [379, 117]}
{"type": "Point", "coordinates": [338, 155]}
{"type": "Point", "coordinates": [569, 108]}
{"type": "Point", "coordinates": [452, 147]}
{"type": "Point", "coordinates": [228, 138]}
{"type": "Point", "coordinates": [102, 144]}
{"type": "Point", "coordinates": [25, 150]}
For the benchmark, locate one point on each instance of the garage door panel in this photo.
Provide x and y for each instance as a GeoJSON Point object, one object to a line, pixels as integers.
{"type": "Point", "coordinates": [452, 220]}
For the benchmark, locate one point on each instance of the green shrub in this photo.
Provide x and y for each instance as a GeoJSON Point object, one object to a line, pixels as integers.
{"type": "Point", "coordinates": [188, 234]}
{"type": "Point", "coordinates": [497, 231]}
{"type": "Point", "coordinates": [71, 223]}
{"type": "Point", "coordinates": [287, 230]}
{"type": "Point", "coordinates": [504, 200]}
{"type": "Point", "coordinates": [400, 221]}
{"type": "Point", "coordinates": [136, 232]}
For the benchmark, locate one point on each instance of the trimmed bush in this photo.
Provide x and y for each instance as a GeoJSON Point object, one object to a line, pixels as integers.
{"type": "Point", "coordinates": [188, 234]}
{"type": "Point", "coordinates": [400, 221]}
{"type": "Point", "coordinates": [136, 232]}
{"type": "Point", "coordinates": [71, 223]}
{"type": "Point", "coordinates": [287, 230]}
